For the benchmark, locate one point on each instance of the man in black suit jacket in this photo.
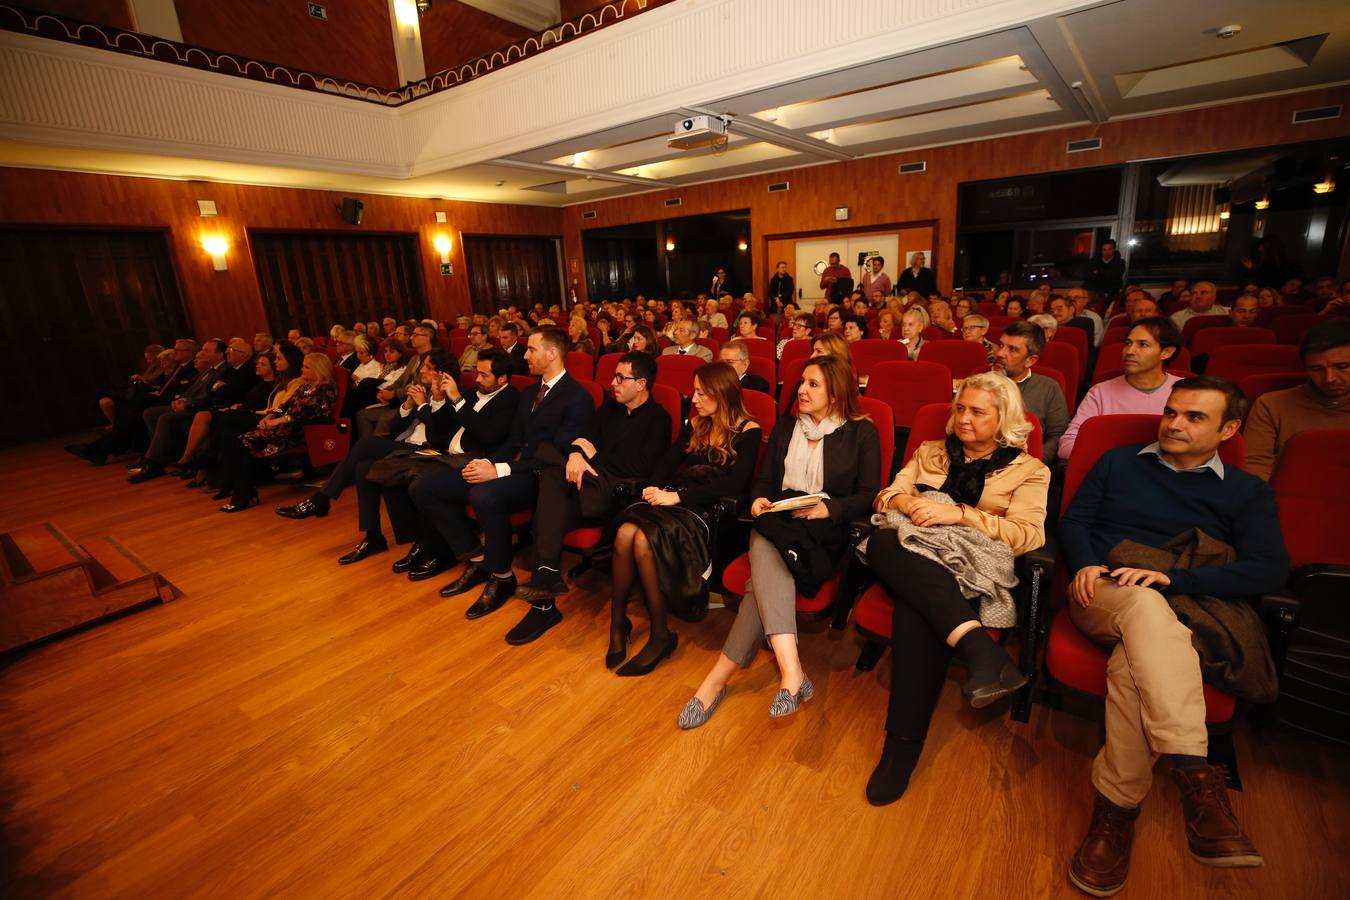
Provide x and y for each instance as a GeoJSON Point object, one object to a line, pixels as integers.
{"type": "Point", "coordinates": [737, 355]}
{"type": "Point", "coordinates": [346, 350]}
{"type": "Point", "coordinates": [168, 425]}
{"type": "Point", "coordinates": [555, 411]}
{"type": "Point", "coordinates": [917, 278]}
{"type": "Point", "coordinates": [515, 349]}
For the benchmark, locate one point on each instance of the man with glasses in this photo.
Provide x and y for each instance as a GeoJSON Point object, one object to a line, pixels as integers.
{"type": "Point", "coordinates": [379, 419]}
{"type": "Point", "coordinates": [631, 433]}
{"type": "Point", "coordinates": [468, 361]}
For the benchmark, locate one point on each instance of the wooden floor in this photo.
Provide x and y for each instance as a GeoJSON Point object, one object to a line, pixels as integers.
{"type": "Point", "coordinates": [289, 727]}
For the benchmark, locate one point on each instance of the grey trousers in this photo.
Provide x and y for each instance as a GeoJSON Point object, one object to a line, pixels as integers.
{"type": "Point", "coordinates": [769, 606]}
{"type": "Point", "coordinates": [374, 421]}
{"type": "Point", "coordinates": [168, 434]}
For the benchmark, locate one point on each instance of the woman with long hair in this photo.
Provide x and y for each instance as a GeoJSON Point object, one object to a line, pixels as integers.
{"type": "Point", "coordinates": [831, 343]}
{"type": "Point", "coordinates": [644, 340]}
{"type": "Point", "coordinates": [981, 481]}
{"type": "Point", "coordinates": [829, 447]}
{"type": "Point", "coordinates": [663, 541]}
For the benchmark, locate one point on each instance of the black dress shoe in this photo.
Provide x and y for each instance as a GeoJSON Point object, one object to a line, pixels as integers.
{"type": "Point", "coordinates": [429, 567]}
{"type": "Point", "coordinates": [147, 472]}
{"type": "Point", "coordinates": [474, 574]}
{"type": "Point", "coordinates": [304, 509]}
{"type": "Point", "coordinates": [1010, 680]}
{"type": "Point", "coordinates": [404, 563]}
{"type": "Point", "coordinates": [497, 592]}
{"type": "Point", "coordinates": [233, 507]}
{"type": "Point", "coordinates": [635, 669]}
{"type": "Point", "coordinates": [533, 626]}
{"type": "Point", "coordinates": [545, 585]}
{"type": "Point", "coordinates": [361, 551]}
{"type": "Point", "coordinates": [83, 451]}
{"type": "Point", "coordinates": [223, 494]}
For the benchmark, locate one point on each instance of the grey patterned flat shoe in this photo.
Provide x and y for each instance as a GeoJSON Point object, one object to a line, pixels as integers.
{"type": "Point", "coordinates": [785, 704]}
{"type": "Point", "coordinates": [695, 715]}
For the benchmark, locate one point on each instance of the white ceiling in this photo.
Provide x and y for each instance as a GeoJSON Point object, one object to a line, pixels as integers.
{"type": "Point", "coordinates": [1119, 59]}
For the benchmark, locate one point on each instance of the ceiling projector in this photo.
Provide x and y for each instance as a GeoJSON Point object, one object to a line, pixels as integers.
{"type": "Point", "coordinates": [698, 131]}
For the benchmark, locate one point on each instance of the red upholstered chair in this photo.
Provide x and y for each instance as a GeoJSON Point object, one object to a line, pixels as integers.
{"type": "Point", "coordinates": [328, 444]}
{"type": "Point", "coordinates": [1312, 487]}
{"type": "Point", "coordinates": [799, 348]}
{"type": "Point", "coordinates": [908, 386]}
{"type": "Point", "coordinates": [873, 611]}
{"type": "Point", "coordinates": [1236, 361]}
{"type": "Point", "coordinates": [605, 367]}
{"type": "Point", "coordinates": [580, 366]}
{"type": "Point", "coordinates": [1058, 377]}
{"type": "Point", "coordinates": [934, 333]}
{"type": "Point", "coordinates": [764, 368]}
{"type": "Point", "coordinates": [670, 400]}
{"type": "Point", "coordinates": [597, 393]}
{"type": "Point", "coordinates": [1253, 386]}
{"type": "Point", "coordinates": [457, 343]}
{"type": "Point", "coordinates": [1071, 659]}
{"type": "Point", "coordinates": [1078, 338]}
{"type": "Point", "coordinates": [762, 349]}
{"type": "Point", "coordinates": [1291, 329]}
{"type": "Point", "coordinates": [869, 352]}
{"type": "Point", "coordinates": [790, 371]}
{"type": "Point", "coordinates": [521, 382]}
{"type": "Point", "coordinates": [962, 358]}
{"type": "Point", "coordinates": [1267, 316]}
{"type": "Point", "coordinates": [721, 335]}
{"type": "Point", "coordinates": [1063, 356]}
{"type": "Point", "coordinates": [1204, 341]}
{"type": "Point", "coordinates": [1197, 324]}
{"type": "Point", "coordinates": [989, 309]}
{"type": "Point", "coordinates": [1115, 335]}
{"type": "Point", "coordinates": [737, 573]}
{"type": "Point", "coordinates": [1001, 320]}
{"type": "Point", "coordinates": [765, 331]}
{"type": "Point", "coordinates": [678, 372]}
{"type": "Point", "coordinates": [712, 344]}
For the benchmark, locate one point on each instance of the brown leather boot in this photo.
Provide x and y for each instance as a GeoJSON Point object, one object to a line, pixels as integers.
{"type": "Point", "coordinates": [1212, 830]}
{"type": "Point", "coordinates": [1103, 860]}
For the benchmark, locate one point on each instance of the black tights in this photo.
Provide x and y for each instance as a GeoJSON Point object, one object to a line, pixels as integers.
{"type": "Point", "coordinates": [633, 559]}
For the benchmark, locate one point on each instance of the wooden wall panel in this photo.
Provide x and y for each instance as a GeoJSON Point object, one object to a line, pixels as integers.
{"type": "Point", "coordinates": [454, 33]}
{"type": "Point", "coordinates": [355, 43]}
{"type": "Point", "coordinates": [116, 13]}
{"type": "Point", "coordinates": [876, 194]}
{"type": "Point", "coordinates": [229, 302]}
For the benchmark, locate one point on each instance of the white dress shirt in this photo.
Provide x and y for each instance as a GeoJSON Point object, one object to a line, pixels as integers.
{"type": "Point", "coordinates": [416, 433]}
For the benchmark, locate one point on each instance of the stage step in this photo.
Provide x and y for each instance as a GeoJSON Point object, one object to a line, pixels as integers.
{"type": "Point", "coordinates": [51, 584]}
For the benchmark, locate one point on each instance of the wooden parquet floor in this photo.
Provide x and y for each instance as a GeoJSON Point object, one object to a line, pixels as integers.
{"type": "Point", "coordinates": [292, 728]}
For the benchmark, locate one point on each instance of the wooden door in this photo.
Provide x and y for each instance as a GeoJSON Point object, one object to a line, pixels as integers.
{"type": "Point", "coordinates": [78, 307]}
{"type": "Point", "coordinates": [512, 271]}
{"type": "Point", "coordinates": [315, 280]}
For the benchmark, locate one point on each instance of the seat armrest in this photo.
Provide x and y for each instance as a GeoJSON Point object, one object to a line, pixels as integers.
{"type": "Point", "coordinates": [859, 529]}
{"type": "Point", "coordinates": [1279, 607]}
{"type": "Point", "coordinates": [1045, 556]}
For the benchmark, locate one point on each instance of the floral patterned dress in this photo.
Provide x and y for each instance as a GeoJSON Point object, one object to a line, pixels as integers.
{"type": "Point", "coordinates": [311, 404]}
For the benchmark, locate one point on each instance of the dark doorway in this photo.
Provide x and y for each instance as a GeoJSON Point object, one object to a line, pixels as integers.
{"type": "Point", "coordinates": [79, 306]}
{"type": "Point", "coordinates": [512, 271]}
{"type": "Point", "coordinates": [628, 260]}
{"type": "Point", "coordinates": [314, 280]}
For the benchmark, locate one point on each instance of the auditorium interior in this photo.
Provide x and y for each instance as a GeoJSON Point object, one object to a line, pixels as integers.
{"type": "Point", "coordinates": [876, 226]}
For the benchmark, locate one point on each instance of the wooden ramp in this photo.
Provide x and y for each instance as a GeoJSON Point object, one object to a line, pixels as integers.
{"type": "Point", "coordinates": [49, 584]}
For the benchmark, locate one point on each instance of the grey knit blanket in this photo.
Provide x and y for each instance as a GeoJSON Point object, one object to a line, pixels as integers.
{"type": "Point", "coordinates": [982, 566]}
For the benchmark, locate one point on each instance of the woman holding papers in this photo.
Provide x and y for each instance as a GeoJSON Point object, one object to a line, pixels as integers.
{"type": "Point", "coordinates": [829, 448]}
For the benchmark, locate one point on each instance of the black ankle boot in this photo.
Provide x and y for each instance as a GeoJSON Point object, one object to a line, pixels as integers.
{"type": "Point", "coordinates": [891, 776]}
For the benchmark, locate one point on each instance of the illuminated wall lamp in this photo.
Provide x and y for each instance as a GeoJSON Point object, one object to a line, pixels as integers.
{"type": "Point", "coordinates": [442, 245]}
{"type": "Point", "coordinates": [1223, 215]}
{"type": "Point", "coordinates": [405, 13]}
{"type": "Point", "coordinates": [670, 243]}
{"type": "Point", "coordinates": [742, 245]}
{"type": "Point", "coordinates": [216, 247]}
{"type": "Point", "coordinates": [1262, 204]}
{"type": "Point", "coordinates": [1325, 186]}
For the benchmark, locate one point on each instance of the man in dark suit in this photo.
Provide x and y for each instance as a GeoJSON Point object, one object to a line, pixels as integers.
{"type": "Point", "coordinates": [555, 411]}
{"type": "Point", "coordinates": [514, 348]}
{"type": "Point", "coordinates": [346, 350]}
{"type": "Point", "coordinates": [782, 290]}
{"type": "Point", "coordinates": [917, 277]}
{"type": "Point", "coordinates": [737, 355]}
{"type": "Point", "coordinates": [630, 436]}
{"type": "Point", "coordinates": [167, 425]}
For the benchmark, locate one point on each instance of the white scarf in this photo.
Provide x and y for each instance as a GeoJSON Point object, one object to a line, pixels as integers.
{"type": "Point", "coordinates": [804, 467]}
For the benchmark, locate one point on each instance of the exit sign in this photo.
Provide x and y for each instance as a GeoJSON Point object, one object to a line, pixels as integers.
{"type": "Point", "coordinates": [447, 269]}
{"type": "Point", "coordinates": [317, 11]}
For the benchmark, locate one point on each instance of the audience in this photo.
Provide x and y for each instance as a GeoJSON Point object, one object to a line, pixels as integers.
{"type": "Point", "coordinates": [973, 329]}
{"type": "Point", "coordinates": [912, 324]}
{"type": "Point", "coordinates": [684, 333]}
{"type": "Point", "coordinates": [1046, 323]}
{"type": "Point", "coordinates": [515, 349]}
{"type": "Point", "coordinates": [949, 529]}
{"type": "Point", "coordinates": [802, 326]}
{"type": "Point", "coordinates": [1019, 349]}
{"type": "Point", "coordinates": [1244, 311]}
{"type": "Point", "coordinates": [1169, 516]}
{"type": "Point", "coordinates": [737, 355]}
{"type": "Point", "coordinates": [1203, 302]}
{"type": "Point", "coordinates": [1016, 307]}
{"type": "Point", "coordinates": [478, 342]}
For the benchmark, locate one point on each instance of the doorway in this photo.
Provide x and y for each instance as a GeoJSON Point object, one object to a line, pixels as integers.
{"type": "Point", "coordinates": [512, 271]}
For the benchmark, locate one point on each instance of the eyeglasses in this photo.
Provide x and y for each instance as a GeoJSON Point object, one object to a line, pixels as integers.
{"type": "Point", "coordinates": [620, 379]}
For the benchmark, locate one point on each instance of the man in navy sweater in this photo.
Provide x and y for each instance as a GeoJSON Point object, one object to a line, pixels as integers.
{"type": "Point", "coordinates": [1154, 702]}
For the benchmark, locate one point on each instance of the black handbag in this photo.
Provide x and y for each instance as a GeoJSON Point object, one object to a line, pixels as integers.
{"type": "Point", "coordinates": [399, 469]}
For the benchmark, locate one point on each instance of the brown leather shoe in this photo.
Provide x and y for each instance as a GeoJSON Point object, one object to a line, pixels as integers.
{"type": "Point", "coordinates": [1212, 830]}
{"type": "Point", "coordinates": [1103, 859]}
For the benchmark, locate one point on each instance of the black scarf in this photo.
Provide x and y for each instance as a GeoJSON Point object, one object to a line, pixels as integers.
{"type": "Point", "coordinates": [965, 480]}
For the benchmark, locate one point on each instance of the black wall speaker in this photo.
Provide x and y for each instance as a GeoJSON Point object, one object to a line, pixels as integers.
{"type": "Point", "coordinates": [350, 208]}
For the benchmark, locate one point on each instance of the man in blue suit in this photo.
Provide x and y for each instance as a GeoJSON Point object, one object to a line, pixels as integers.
{"type": "Point", "coordinates": [555, 412]}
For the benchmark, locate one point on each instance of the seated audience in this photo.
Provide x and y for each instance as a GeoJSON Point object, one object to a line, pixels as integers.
{"type": "Point", "coordinates": [665, 542]}
{"type": "Point", "coordinates": [644, 340]}
{"type": "Point", "coordinates": [973, 329]}
{"type": "Point", "coordinates": [977, 498]}
{"type": "Point", "coordinates": [834, 320]}
{"type": "Point", "coordinates": [747, 324]}
{"type": "Point", "coordinates": [830, 343]}
{"type": "Point", "coordinates": [912, 324]}
{"type": "Point", "coordinates": [263, 342]}
{"type": "Point", "coordinates": [1324, 402]}
{"type": "Point", "coordinates": [1244, 311]}
{"type": "Point", "coordinates": [630, 436]}
{"type": "Point", "coordinates": [737, 355]}
{"type": "Point", "coordinates": [888, 328]}
{"type": "Point", "coordinates": [379, 417]}
{"type": "Point", "coordinates": [305, 344]}
{"type": "Point", "coordinates": [684, 333]}
{"type": "Point", "coordinates": [1203, 302]}
{"type": "Point", "coordinates": [1019, 349]}
{"type": "Point", "coordinates": [940, 314]}
{"type": "Point", "coordinates": [1065, 314]}
{"type": "Point", "coordinates": [367, 362]}
{"type": "Point", "coordinates": [245, 462]}
{"type": "Point", "coordinates": [830, 447]}
{"type": "Point", "coordinates": [1015, 307]}
{"type": "Point", "coordinates": [1036, 301]}
{"type": "Point", "coordinates": [478, 342]}
{"type": "Point", "coordinates": [802, 325]}
{"type": "Point", "coordinates": [1133, 537]}
{"type": "Point", "coordinates": [1082, 300]}
{"type": "Point", "coordinates": [1046, 322]}
{"type": "Point", "coordinates": [712, 312]}
{"type": "Point", "coordinates": [157, 365]}
{"type": "Point", "coordinates": [962, 306]}
{"type": "Point", "coordinates": [515, 349]}
{"type": "Point", "coordinates": [345, 343]}
{"type": "Point", "coordinates": [855, 328]}
{"type": "Point", "coordinates": [1149, 347]}
{"type": "Point", "coordinates": [578, 336]}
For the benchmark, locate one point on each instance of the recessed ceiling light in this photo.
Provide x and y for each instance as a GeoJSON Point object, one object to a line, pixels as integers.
{"type": "Point", "coordinates": [1225, 32]}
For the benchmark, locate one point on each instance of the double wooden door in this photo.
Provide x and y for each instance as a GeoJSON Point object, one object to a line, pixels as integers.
{"type": "Point", "coordinates": [512, 271]}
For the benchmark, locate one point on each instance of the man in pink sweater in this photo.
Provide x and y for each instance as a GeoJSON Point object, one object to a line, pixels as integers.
{"type": "Point", "coordinates": [1144, 387]}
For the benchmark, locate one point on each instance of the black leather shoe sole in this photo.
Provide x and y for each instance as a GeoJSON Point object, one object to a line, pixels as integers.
{"type": "Point", "coordinates": [473, 575]}
{"type": "Point", "coordinates": [544, 591]}
{"type": "Point", "coordinates": [1009, 681]}
{"type": "Point", "coordinates": [533, 626]}
{"type": "Point", "coordinates": [362, 550]}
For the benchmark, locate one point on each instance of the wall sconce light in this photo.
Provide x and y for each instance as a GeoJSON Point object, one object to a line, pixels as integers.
{"type": "Point", "coordinates": [670, 243]}
{"type": "Point", "coordinates": [1263, 203]}
{"type": "Point", "coordinates": [216, 247]}
{"type": "Point", "coordinates": [742, 245]}
{"type": "Point", "coordinates": [442, 245]}
{"type": "Point", "coordinates": [405, 13]}
{"type": "Point", "coordinates": [1223, 215]}
{"type": "Point", "coordinates": [1325, 186]}
{"type": "Point", "coordinates": [423, 5]}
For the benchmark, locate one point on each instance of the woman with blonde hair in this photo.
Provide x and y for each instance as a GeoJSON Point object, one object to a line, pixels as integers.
{"type": "Point", "coordinates": [912, 325]}
{"type": "Point", "coordinates": [950, 526]}
{"type": "Point", "coordinates": [578, 337]}
{"type": "Point", "coordinates": [831, 343]}
{"type": "Point", "coordinates": [663, 541]}
{"type": "Point", "coordinates": [830, 447]}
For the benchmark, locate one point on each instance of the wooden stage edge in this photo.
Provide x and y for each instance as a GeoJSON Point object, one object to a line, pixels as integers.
{"type": "Point", "coordinates": [291, 727]}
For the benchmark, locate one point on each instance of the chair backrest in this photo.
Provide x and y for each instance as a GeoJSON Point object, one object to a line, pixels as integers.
{"type": "Point", "coordinates": [962, 358]}
{"type": "Point", "coordinates": [1001, 321]}
{"type": "Point", "coordinates": [580, 366]}
{"type": "Point", "coordinates": [1204, 341]}
{"type": "Point", "coordinates": [605, 367]}
{"type": "Point", "coordinates": [1236, 361]}
{"type": "Point", "coordinates": [597, 393]}
{"type": "Point", "coordinates": [1063, 356]}
{"type": "Point", "coordinates": [1292, 329]}
{"type": "Point", "coordinates": [934, 333]}
{"type": "Point", "coordinates": [869, 352]}
{"type": "Point", "coordinates": [521, 382]}
{"type": "Point", "coordinates": [670, 401]}
{"type": "Point", "coordinates": [907, 386]}
{"type": "Point", "coordinates": [930, 424]}
{"type": "Point", "coordinates": [880, 413]}
{"type": "Point", "coordinates": [765, 331]}
{"type": "Point", "coordinates": [1110, 364]}
{"type": "Point", "coordinates": [1196, 324]}
{"type": "Point", "coordinates": [799, 348]}
{"type": "Point", "coordinates": [678, 372]}
{"type": "Point", "coordinates": [721, 335]}
{"type": "Point", "coordinates": [762, 409]}
{"type": "Point", "coordinates": [1102, 433]}
{"type": "Point", "coordinates": [790, 371]}
{"type": "Point", "coordinates": [711, 343]}
{"type": "Point", "coordinates": [1115, 335]}
{"type": "Point", "coordinates": [342, 379]}
{"type": "Point", "coordinates": [1078, 339]}
{"type": "Point", "coordinates": [1312, 487]}
{"type": "Point", "coordinates": [764, 368]}
{"type": "Point", "coordinates": [1058, 377]}
{"type": "Point", "coordinates": [458, 343]}
{"type": "Point", "coordinates": [762, 349]}
{"type": "Point", "coordinates": [1269, 314]}
{"type": "Point", "coordinates": [989, 308]}
{"type": "Point", "coordinates": [1253, 386]}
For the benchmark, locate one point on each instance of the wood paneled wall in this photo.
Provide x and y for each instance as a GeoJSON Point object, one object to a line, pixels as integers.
{"type": "Point", "coordinates": [454, 33]}
{"type": "Point", "coordinates": [355, 43]}
{"type": "Point", "coordinates": [877, 194]}
{"type": "Point", "coordinates": [229, 302]}
{"type": "Point", "coordinates": [116, 13]}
